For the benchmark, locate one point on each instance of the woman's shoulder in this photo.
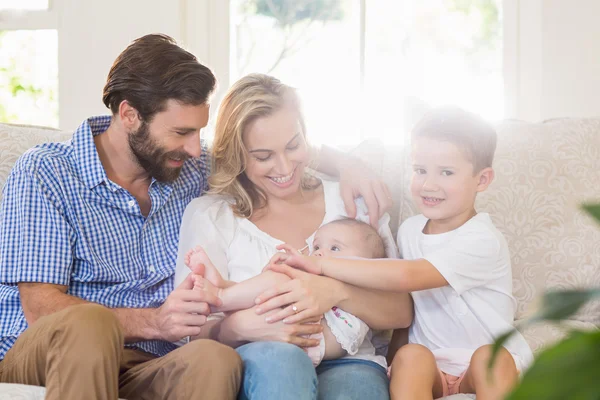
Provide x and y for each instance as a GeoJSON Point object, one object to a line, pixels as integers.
{"type": "Point", "coordinates": [211, 206]}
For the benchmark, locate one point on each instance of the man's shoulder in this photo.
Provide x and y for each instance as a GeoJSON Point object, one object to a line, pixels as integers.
{"type": "Point", "coordinates": [45, 157]}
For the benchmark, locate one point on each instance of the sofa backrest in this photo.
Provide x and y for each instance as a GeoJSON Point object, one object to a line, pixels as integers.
{"type": "Point", "coordinates": [543, 173]}
{"type": "Point", "coordinates": [16, 139]}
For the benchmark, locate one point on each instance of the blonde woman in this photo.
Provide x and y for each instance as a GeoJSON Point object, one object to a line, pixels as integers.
{"type": "Point", "coordinates": [262, 196]}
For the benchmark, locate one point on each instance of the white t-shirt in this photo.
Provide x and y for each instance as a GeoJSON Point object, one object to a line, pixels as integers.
{"type": "Point", "coordinates": [240, 250]}
{"type": "Point", "coordinates": [477, 306]}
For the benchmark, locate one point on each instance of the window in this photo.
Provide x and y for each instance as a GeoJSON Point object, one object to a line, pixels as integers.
{"type": "Point", "coordinates": [28, 63]}
{"type": "Point", "coordinates": [372, 68]}
{"type": "Point", "coordinates": [18, 5]}
{"type": "Point", "coordinates": [311, 45]}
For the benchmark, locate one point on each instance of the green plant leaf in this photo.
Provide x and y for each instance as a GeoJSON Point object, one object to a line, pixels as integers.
{"type": "Point", "coordinates": [558, 305]}
{"type": "Point", "coordinates": [569, 370]}
{"type": "Point", "coordinates": [593, 210]}
{"type": "Point", "coordinates": [498, 343]}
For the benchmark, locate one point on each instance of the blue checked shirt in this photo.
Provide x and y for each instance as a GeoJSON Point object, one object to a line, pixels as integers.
{"type": "Point", "coordinates": [62, 221]}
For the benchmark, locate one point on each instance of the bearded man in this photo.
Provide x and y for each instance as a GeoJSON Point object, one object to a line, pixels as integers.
{"type": "Point", "coordinates": [89, 230]}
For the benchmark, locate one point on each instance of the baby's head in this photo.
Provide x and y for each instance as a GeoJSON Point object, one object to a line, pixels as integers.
{"type": "Point", "coordinates": [348, 238]}
{"type": "Point", "coordinates": [452, 154]}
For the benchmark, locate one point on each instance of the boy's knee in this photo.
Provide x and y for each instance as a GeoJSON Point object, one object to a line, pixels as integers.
{"type": "Point", "coordinates": [412, 353]}
{"type": "Point", "coordinates": [481, 357]}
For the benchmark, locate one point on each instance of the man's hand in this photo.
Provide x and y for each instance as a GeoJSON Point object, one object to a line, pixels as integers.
{"type": "Point", "coordinates": [356, 180]}
{"type": "Point", "coordinates": [183, 313]}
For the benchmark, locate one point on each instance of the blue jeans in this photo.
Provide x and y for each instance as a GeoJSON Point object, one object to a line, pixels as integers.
{"type": "Point", "coordinates": [275, 370]}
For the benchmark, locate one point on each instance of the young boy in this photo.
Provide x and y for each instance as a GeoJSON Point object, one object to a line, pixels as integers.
{"type": "Point", "coordinates": [343, 333]}
{"type": "Point", "coordinates": [456, 264]}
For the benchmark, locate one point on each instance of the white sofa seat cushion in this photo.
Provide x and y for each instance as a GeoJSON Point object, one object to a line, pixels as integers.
{"type": "Point", "coordinates": [9, 391]}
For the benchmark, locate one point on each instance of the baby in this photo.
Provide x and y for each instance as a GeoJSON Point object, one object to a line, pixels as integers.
{"type": "Point", "coordinates": [343, 333]}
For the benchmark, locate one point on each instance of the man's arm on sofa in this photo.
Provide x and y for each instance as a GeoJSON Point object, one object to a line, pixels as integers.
{"type": "Point", "coordinates": [183, 313]}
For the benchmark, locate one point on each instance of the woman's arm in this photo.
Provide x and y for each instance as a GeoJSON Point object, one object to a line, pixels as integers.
{"type": "Point", "coordinates": [246, 326]}
{"type": "Point", "coordinates": [313, 295]}
{"type": "Point", "coordinates": [356, 180]}
{"type": "Point", "coordinates": [380, 310]}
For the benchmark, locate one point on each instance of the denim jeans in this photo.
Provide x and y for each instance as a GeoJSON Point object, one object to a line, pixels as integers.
{"type": "Point", "coordinates": [275, 370]}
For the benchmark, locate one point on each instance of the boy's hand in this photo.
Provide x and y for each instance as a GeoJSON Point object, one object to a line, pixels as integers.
{"type": "Point", "coordinates": [281, 257]}
{"type": "Point", "coordinates": [303, 263]}
{"type": "Point", "coordinates": [293, 258]}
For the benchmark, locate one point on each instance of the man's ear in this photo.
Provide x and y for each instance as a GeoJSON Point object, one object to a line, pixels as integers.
{"type": "Point", "coordinates": [485, 177]}
{"type": "Point", "coordinates": [129, 116]}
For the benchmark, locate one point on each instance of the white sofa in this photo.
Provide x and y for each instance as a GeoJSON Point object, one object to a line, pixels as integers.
{"type": "Point", "coordinates": [543, 172]}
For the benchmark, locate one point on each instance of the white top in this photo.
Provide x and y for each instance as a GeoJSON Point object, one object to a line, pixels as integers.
{"type": "Point", "coordinates": [240, 250]}
{"type": "Point", "coordinates": [477, 306]}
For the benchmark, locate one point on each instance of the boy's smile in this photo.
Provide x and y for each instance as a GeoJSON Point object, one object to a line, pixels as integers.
{"type": "Point", "coordinates": [444, 185]}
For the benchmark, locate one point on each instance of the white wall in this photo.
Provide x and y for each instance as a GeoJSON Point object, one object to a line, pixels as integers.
{"type": "Point", "coordinates": [91, 36]}
{"type": "Point", "coordinates": [571, 58]}
{"type": "Point", "coordinates": [554, 59]}
{"type": "Point", "coordinates": [552, 50]}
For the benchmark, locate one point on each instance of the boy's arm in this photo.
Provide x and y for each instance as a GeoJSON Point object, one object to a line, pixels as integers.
{"type": "Point", "coordinates": [392, 275]}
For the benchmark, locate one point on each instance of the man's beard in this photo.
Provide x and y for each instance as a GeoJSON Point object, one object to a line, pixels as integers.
{"type": "Point", "coordinates": [152, 157]}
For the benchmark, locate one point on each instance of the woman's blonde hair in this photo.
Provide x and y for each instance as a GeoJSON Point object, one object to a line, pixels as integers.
{"type": "Point", "coordinates": [253, 96]}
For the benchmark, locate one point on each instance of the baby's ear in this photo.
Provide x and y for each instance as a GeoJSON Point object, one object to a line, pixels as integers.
{"type": "Point", "coordinates": [485, 176]}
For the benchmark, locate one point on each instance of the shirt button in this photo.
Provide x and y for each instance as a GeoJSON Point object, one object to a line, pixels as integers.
{"type": "Point", "coordinates": [131, 203]}
{"type": "Point", "coordinates": [151, 268]}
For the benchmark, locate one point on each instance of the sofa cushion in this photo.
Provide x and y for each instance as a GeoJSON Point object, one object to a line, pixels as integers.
{"type": "Point", "coordinates": [9, 391]}
{"type": "Point", "coordinates": [544, 173]}
{"type": "Point", "coordinates": [16, 139]}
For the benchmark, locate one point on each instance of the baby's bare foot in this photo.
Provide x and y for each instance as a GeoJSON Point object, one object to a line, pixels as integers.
{"type": "Point", "coordinates": [197, 259]}
{"type": "Point", "coordinates": [201, 283]}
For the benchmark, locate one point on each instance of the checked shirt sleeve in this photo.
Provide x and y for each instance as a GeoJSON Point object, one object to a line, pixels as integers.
{"type": "Point", "coordinates": [36, 237]}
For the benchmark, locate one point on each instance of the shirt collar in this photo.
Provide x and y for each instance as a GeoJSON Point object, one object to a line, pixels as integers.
{"type": "Point", "coordinates": [89, 165]}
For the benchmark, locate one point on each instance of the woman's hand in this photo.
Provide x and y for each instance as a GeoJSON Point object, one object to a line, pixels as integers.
{"type": "Point", "coordinates": [356, 180]}
{"type": "Point", "coordinates": [248, 326]}
{"type": "Point", "coordinates": [305, 296]}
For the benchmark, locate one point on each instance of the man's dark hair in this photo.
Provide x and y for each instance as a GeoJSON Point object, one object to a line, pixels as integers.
{"type": "Point", "coordinates": [152, 70]}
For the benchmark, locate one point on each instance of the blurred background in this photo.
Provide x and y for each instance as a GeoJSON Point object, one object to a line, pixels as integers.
{"type": "Point", "coordinates": [364, 68]}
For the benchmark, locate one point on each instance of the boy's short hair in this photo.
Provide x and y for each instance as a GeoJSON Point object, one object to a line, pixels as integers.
{"type": "Point", "coordinates": [468, 131]}
{"type": "Point", "coordinates": [371, 236]}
